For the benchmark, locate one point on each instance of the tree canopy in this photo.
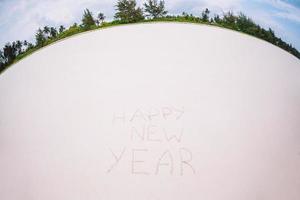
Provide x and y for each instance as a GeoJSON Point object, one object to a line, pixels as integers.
{"type": "Point", "coordinates": [128, 12]}
{"type": "Point", "coordinates": [40, 38]}
{"type": "Point", "coordinates": [101, 18]}
{"type": "Point", "coordinates": [61, 28]}
{"type": "Point", "coordinates": [88, 19]}
{"type": "Point", "coordinates": [205, 15]}
{"type": "Point", "coordinates": [155, 9]}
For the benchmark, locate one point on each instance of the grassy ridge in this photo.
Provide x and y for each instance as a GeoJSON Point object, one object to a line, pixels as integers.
{"type": "Point", "coordinates": [73, 30]}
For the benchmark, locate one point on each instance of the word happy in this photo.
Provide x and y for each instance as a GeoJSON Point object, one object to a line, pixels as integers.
{"type": "Point", "coordinates": [164, 113]}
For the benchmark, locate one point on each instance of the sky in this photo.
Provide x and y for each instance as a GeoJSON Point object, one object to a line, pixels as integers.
{"type": "Point", "coordinates": [19, 19]}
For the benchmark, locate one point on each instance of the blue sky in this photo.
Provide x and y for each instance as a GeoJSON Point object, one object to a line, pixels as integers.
{"type": "Point", "coordinates": [19, 19]}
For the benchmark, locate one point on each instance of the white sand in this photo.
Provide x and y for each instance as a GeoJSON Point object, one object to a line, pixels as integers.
{"type": "Point", "coordinates": [73, 115]}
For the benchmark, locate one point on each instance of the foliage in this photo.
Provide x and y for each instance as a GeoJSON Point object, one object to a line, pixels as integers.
{"type": "Point", "coordinates": [205, 15]}
{"type": "Point", "coordinates": [2, 61]}
{"type": "Point", "coordinates": [53, 32]}
{"type": "Point", "coordinates": [155, 9]}
{"type": "Point", "coordinates": [128, 12]}
{"type": "Point", "coordinates": [87, 19]}
{"type": "Point", "coordinates": [40, 38]}
{"type": "Point", "coordinates": [61, 28]}
{"type": "Point", "coordinates": [101, 18]}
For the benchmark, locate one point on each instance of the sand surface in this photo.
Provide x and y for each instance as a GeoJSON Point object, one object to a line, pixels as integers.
{"type": "Point", "coordinates": [161, 111]}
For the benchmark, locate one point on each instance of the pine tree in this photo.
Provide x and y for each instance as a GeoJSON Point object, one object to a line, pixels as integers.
{"type": "Point", "coordinates": [87, 19]}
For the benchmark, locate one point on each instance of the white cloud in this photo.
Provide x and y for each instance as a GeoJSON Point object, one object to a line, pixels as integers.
{"type": "Point", "coordinates": [196, 6]}
{"type": "Point", "coordinates": [286, 10]}
{"type": "Point", "coordinates": [269, 13]}
{"type": "Point", "coordinates": [20, 19]}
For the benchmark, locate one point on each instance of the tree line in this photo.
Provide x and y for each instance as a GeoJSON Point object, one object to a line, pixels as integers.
{"type": "Point", "coordinates": [127, 11]}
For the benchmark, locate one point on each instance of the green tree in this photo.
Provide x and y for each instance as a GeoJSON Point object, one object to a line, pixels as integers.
{"type": "Point", "coordinates": [155, 9]}
{"type": "Point", "coordinates": [128, 12]}
{"type": "Point", "coordinates": [40, 38]}
{"type": "Point", "coordinates": [185, 15]}
{"type": "Point", "coordinates": [2, 61]}
{"type": "Point", "coordinates": [217, 19]}
{"type": "Point", "coordinates": [46, 31]}
{"type": "Point", "coordinates": [75, 25]}
{"type": "Point", "coordinates": [25, 43]}
{"type": "Point", "coordinates": [61, 29]}
{"type": "Point", "coordinates": [87, 19]}
{"type": "Point", "coordinates": [205, 15]}
{"type": "Point", "coordinates": [53, 32]}
{"type": "Point", "coordinates": [244, 23]}
{"type": "Point", "coordinates": [19, 46]}
{"type": "Point", "coordinates": [271, 37]}
{"type": "Point", "coordinates": [9, 53]}
{"type": "Point", "coordinates": [2, 66]}
{"type": "Point", "coordinates": [29, 46]}
{"type": "Point", "coordinates": [101, 18]}
{"type": "Point", "coordinates": [229, 20]}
